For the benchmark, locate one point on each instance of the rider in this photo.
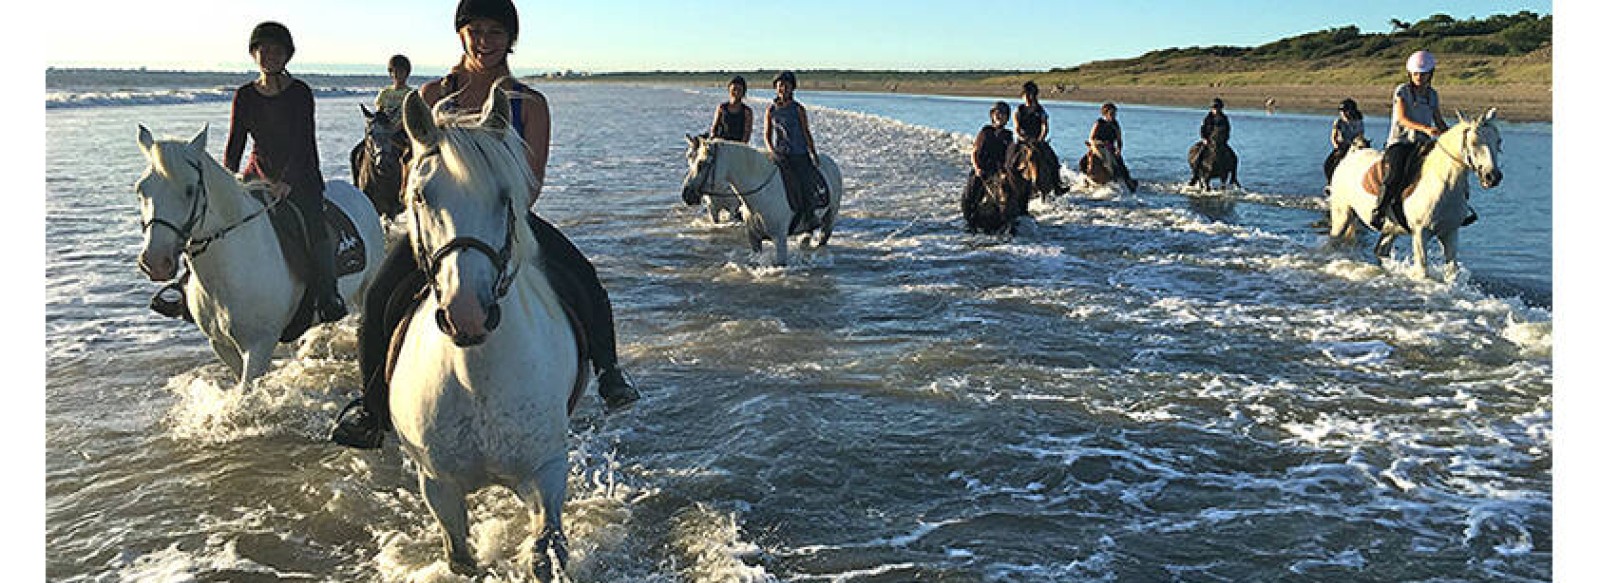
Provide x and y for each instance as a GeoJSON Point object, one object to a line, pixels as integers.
{"type": "Point", "coordinates": [993, 140]}
{"type": "Point", "coordinates": [788, 136]}
{"type": "Point", "coordinates": [390, 98]}
{"type": "Point", "coordinates": [1216, 121]}
{"type": "Point", "coordinates": [1416, 120]}
{"type": "Point", "coordinates": [487, 29]}
{"type": "Point", "coordinates": [275, 112]}
{"type": "Point", "coordinates": [1346, 129]}
{"type": "Point", "coordinates": [1033, 127]}
{"type": "Point", "coordinates": [733, 119]}
{"type": "Point", "coordinates": [1107, 131]}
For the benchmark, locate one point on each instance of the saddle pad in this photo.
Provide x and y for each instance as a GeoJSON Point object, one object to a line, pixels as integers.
{"type": "Point", "coordinates": [349, 251]}
{"type": "Point", "coordinates": [1372, 182]}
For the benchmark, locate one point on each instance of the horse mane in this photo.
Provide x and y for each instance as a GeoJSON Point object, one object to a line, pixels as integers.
{"type": "Point", "coordinates": [468, 150]}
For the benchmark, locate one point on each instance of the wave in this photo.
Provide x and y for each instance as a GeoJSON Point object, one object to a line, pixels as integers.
{"type": "Point", "coordinates": [123, 97]}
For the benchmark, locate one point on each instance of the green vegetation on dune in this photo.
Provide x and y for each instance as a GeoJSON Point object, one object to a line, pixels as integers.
{"type": "Point", "coordinates": [1501, 49]}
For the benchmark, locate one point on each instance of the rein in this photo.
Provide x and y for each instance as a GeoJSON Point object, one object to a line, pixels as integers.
{"type": "Point", "coordinates": [195, 247]}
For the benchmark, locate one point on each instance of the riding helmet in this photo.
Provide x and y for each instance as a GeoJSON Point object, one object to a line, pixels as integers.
{"type": "Point", "coordinates": [1216, 103]}
{"type": "Point", "coordinates": [785, 76]}
{"type": "Point", "coordinates": [1420, 62]}
{"type": "Point", "coordinates": [270, 31]}
{"type": "Point", "coordinates": [737, 80]}
{"type": "Point", "coordinates": [501, 11]}
{"type": "Point", "coordinates": [1030, 88]}
{"type": "Point", "coordinates": [1001, 107]}
{"type": "Point", "coordinates": [1348, 105]}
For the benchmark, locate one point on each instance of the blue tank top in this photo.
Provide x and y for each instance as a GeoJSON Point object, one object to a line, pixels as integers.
{"type": "Point", "coordinates": [787, 137]}
{"type": "Point", "coordinates": [518, 88]}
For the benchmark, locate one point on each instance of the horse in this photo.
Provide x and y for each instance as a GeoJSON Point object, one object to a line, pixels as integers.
{"type": "Point", "coordinates": [992, 205]}
{"type": "Point", "coordinates": [1096, 164]}
{"type": "Point", "coordinates": [242, 292]}
{"type": "Point", "coordinates": [1438, 205]}
{"type": "Point", "coordinates": [717, 204]}
{"type": "Point", "coordinates": [490, 364]}
{"type": "Point", "coordinates": [1338, 154]}
{"type": "Point", "coordinates": [752, 176]}
{"type": "Point", "coordinates": [1035, 166]}
{"type": "Point", "coordinates": [1210, 159]}
{"type": "Point", "coordinates": [377, 162]}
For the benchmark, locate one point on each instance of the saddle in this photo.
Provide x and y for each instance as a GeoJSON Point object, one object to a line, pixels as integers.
{"type": "Point", "coordinates": [1372, 181]}
{"type": "Point", "coordinates": [349, 256]}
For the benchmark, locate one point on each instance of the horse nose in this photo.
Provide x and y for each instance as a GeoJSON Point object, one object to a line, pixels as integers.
{"type": "Point", "coordinates": [157, 268]}
{"type": "Point", "coordinates": [1493, 179]}
{"type": "Point", "coordinates": [466, 321]}
{"type": "Point", "coordinates": [690, 197]}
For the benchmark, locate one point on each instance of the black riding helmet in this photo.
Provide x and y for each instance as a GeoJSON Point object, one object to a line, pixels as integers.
{"type": "Point", "coordinates": [1216, 103]}
{"type": "Point", "coordinates": [1030, 88]}
{"type": "Point", "coordinates": [270, 31]}
{"type": "Point", "coordinates": [501, 11]}
{"type": "Point", "coordinates": [1348, 105]}
{"type": "Point", "coordinates": [785, 76]}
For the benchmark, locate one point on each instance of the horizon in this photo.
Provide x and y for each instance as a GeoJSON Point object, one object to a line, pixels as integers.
{"type": "Point", "coordinates": [893, 36]}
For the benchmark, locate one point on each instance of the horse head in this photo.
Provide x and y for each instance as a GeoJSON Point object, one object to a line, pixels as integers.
{"type": "Point", "coordinates": [468, 186]}
{"type": "Point", "coordinates": [701, 157]}
{"type": "Point", "coordinates": [1480, 147]}
{"type": "Point", "coordinates": [385, 142]}
{"type": "Point", "coordinates": [172, 200]}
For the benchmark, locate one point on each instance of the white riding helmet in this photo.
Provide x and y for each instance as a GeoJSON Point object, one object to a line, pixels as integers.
{"type": "Point", "coordinates": [1420, 62]}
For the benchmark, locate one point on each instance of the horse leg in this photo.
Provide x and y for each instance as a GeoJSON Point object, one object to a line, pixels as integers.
{"type": "Point", "coordinates": [257, 359]}
{"type": "Point", "coordinates": [544, 495]}
{"type": "Point", "coordinates": [782, 246]}
{"type": "Point", "coordinates": [1385, 246]}
{"type": "Point", "coordinates": [755, 237]}
{"type": "Point", "coordinates": [1419, 250]}
{"type": "Point", "coordinates": [449, 506]}
{"type": "Point", "coordinates": [228, 352]}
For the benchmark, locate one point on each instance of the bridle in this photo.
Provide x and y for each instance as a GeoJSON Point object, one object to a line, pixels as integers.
{"type": "Point", "coordinates": [198, 205]}
{"type": "Point", "coordinates": [429, 262]}
{"type": "Point", "coordinates": [707, 167]}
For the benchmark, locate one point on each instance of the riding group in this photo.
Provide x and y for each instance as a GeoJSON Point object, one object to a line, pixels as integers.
{"type": "Point", "coordinates": [479, 328]}
{"type": "Point", "coordinates": [1380, 186]}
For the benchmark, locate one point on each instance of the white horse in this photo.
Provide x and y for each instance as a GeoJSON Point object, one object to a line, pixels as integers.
{"type": "Point", "coordinates": [475, 409]}
{"type": "Point", "coordinates": [1438, 205]}
{"type": "Point", "coordinates": [241, 292]}
{"type": "Point", "coordinates": [722, 168]}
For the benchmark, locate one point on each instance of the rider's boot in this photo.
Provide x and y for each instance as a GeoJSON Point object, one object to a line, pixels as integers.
{"type": "Point", "coordinates": [358, 427]}
{"type": "Point", "coordinates": [325, 281]}
{"type": "Point", "coordinates": [1472, 216]}
{"type": "Point", "coordinates": [615, 390]}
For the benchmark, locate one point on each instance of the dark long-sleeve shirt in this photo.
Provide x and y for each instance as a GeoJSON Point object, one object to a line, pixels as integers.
{"type": "Point", "coordinates": [1217, 122]}
{"type": "Point", "coordinates": [283, 128]}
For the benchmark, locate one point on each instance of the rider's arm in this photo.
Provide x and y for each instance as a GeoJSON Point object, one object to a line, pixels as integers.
{"type": "Point", "coordinates": [716, 120]}
{"type": "Point", "coordinates": [1044, 127]}
{"type": "Point", "coordinates": [536, 133]}
{"type": "Point", "coordinates": [1405, 121]}
{"type": "Point", "coordinates": [1119, 139]}
{"type": "Point", "coordinates": [749, 124]}
{"type": "Point", "coordinates": [766, 131]}
{"type": "Point", "coordinates": [236, 135]}
{"type": "Point", "coordinates": [1334, 137]}
{"type": "Point", "coordinates": [805, 128]}
{"type": "Point", "coordinates": [976, 144]}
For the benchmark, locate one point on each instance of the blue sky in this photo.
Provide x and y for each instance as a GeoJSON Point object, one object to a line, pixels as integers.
{"type": "Point", "coordinates": [631, 35]}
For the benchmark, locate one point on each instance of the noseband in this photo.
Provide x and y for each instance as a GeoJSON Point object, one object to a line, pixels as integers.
{"type": "Point", "coordinates": [192, 246]}
{"type": "Point", "coordinates": [505, 273]}
{"type": "Point", "coordinates": [708, 168]}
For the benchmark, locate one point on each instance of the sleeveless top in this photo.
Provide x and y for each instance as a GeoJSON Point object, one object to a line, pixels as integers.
{"type": "Point", "coordinates": [787, 137]}
{"type": "Point", "coordinates": [731, 125]}
{"type": "Point", "coordinates": [992, 145]}
{"type": "Point", "coordinates": [451, 85]}
{"type": "Point", "coordinates": [1106, 131]}
{"type": "Point", "coordinates": [1348, 131]}
{"type": "Point", "coordinates": [1030, 121]}
{"type": "Point", "coordinates": [1420, 107]}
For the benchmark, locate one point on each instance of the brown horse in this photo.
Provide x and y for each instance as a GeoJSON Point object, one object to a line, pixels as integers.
{"type": "Point", "coordinates": [992, 205]}
{"type": "Point", "coordinates": [1095, 165]}
{"type": "Point", "coordinates": [1213, 160]}
{"type": "Point", "coordinates": [1039, 167]}
{"type": "Point", "coordinates": [378, 161]}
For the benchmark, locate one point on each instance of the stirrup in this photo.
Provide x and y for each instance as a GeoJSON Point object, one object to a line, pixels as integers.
{"type": "Point", "coordinates": [356, 427]}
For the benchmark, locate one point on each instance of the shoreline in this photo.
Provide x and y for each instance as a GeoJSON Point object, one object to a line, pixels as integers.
{"type": "Point", "coordinates": [1515, 103]}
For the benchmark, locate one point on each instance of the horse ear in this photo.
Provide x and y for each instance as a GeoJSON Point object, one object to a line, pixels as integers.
{"type": "Point", "coordinates": [496, 110]}
{"type": "Point", "coordinates": [418, 120]}
{"type": "Point", "coordinates": [1490, 115]}
{"type": "Point", "coordinates": [145, 139]}
{"type": "Point", "coordinates": [694, 141]}
{"type": "Point", "coordinates": [1461, 117]}
{"type": "Point", "coordinates": [364, 111]}
{"type": "Point", "coordinates": [199, 141]}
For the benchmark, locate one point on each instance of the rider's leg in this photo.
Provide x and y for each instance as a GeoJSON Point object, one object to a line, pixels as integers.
{"type": "Point", "coordinates": [575, 280]}
{"type": "Point", "coordinates": [324, 284]}
{"type": "Point", "coordinates": [364, 420]}
{"type": "Point", "coordinates": [1396, 158]}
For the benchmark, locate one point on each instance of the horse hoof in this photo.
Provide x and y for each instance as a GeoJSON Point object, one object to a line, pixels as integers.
{"type": "Point", "coordinates": [465, 567]}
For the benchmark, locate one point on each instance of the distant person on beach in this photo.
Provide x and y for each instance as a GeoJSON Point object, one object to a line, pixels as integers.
{"type": "Point", "coordinates": [275, 112]}
{"type": "Point", "coordinates": [390, 98]}
{"type": "Point", "coordinates": [733, 120]}
{"type": "Point", "coordinates": [1416, 121]}
{"type": "Point", "coordinates": [1107, 131]}
{"type": "Point", "coordinates": [487, 30]}
{"type": "Point", "coordinates": [1346, 129]}
{"type": "Point", "coordinates": [788, 138]}
{"type": "Point", "coordinates": [1216, 122]}
{"type": "Point", "coordinates": [1033, 127]}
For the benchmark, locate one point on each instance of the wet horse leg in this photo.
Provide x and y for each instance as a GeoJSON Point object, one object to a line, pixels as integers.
{"type": "Point", "coordinates": [544, 494]}
{"type": "Point", "coordinates": [449, 506]}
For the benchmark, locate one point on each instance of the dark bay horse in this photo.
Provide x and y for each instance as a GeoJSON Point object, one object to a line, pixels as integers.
{"type": "Point", "coordinates": [992, 205]}
{"type": "Point", "coordinates": [378, 161]}
{"type": "Point", "coordinates": [1213, 159]}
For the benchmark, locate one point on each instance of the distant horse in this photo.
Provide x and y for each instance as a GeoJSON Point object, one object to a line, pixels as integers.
{"type": "Point", "coordinates": [992, 205]}
{"type": "Point", "coordinates": [1095, 165]}
{"type": "Point", "coordinates": [1437, 204]}
{"type": "Point", "coordinates": [721, 167]}
{"type": "Point", "coordinates": [1338, 154]}
{"type": "Point", "coordinates": [1213, 159]}
{"type": "Point", "coordinates": [489, 364]}
{"type": "Point", "coordinates": [378, 162]}
{"type": "Point", "coordinates": [242, 292]}
{"type": "Point", "coordinates": [1037, 166]}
